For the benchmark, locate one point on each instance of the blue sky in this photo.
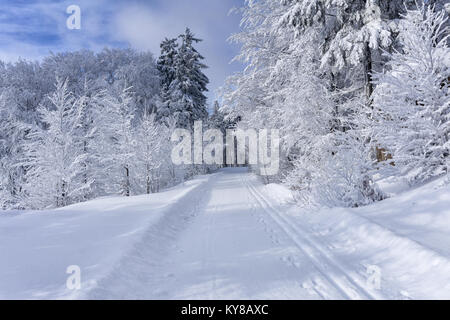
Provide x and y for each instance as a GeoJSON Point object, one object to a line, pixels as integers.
{"type": "Point", "coordinates": [32, 28]}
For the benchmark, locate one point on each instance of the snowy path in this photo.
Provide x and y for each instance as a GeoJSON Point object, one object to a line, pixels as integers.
{"type": "Point", "coordinates": [230, 242]}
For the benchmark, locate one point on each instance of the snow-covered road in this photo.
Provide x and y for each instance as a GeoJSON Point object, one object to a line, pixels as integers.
{"type": "Point", "coordinates": [229, 236]}
{"type": "Point", "coordinates": [230, 242]}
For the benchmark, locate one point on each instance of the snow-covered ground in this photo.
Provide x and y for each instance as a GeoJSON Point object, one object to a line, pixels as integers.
{"type": "Point", "coordinates": [228, 236]}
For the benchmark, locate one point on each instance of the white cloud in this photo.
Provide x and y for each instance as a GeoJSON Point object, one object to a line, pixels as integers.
{"type": "Point", "coordinates": [144, 26]}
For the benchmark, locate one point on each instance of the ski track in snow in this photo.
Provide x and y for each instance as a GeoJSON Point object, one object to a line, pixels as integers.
{"type": "Point", "coordinates": [349, 284]}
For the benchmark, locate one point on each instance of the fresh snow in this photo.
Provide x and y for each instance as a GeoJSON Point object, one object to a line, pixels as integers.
{"type": "Point", "coordinates": [229, 236]}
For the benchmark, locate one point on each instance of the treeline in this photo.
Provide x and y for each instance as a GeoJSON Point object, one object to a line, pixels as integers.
{"type": "Point", "coordinates": [359, 90]}
{"type": "Point", "coordinates": [79, 125]}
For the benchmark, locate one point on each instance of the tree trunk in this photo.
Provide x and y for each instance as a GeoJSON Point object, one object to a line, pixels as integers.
{"type": "Point", "coordinates": [368, 66]}
{"type": "Point", "coordinates": [148, 180]}
{"type": "Point", "coordinates": [85, 169]}
{"type": "Point", "coordinates": [127, 182]}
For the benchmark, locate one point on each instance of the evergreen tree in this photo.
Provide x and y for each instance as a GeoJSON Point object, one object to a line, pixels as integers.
{"type": "Point", "coordinates": [167, 74]}
{"type": "Point", "coordinates": [187, 90]}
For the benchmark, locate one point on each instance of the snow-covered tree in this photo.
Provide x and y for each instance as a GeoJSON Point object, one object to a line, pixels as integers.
{"type": "Point", "coordinates": [188, 102]}
{"type": "Point", "coordinates": [23, 86]}
{"type": "Point", "coordinates": [353, 33]}
{"type": "Point", "coordinates": [287, 85]}
{"type": "Point", "coordinates": [12, 133]}
{"type": "Point", "coordinates": [91, 104]}
{"type": "Point", "coordinates": [217, 118]}
{"type": "Point", "coordinates": [142, 75]}
{"type": "Point", "coordinates": [167, 74]}
{"type": "Point", "coordinates": [53, 160]}
{"type": "Point", "coordinates": [119, 143]}
{"type": "Point", "coordinates": [412, 97]}
{"type": "Point", "coordinates": [98, 125]}
{"type": "Point", "coordinates": [148, 156]}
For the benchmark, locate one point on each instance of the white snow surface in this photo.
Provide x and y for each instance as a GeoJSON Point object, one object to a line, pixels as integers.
{"type": "Point", "coordinates": [228, 236]}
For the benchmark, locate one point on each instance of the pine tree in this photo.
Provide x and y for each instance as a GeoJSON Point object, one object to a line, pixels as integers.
{"type": "Point", "coordinates": [167, 74]}
{"type": "Point", "coordinates": [187, 90]}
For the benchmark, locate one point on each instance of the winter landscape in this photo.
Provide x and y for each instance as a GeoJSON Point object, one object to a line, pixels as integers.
{"type": "Point", "coordinates": [241, 149]}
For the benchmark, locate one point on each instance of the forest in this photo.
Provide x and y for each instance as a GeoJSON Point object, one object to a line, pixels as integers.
{"type": "Point", "coordinates": [358, 89]}
{"type": "Point", "coordinates": [80, 125]}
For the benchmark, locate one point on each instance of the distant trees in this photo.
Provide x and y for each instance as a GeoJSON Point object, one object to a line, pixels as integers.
{"type": "Point", "coordinates": [90, 80]}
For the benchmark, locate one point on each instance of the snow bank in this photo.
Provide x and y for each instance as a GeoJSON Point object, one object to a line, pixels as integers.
{"type": "Point", "coordinates": [407, 237]}
{"type": "Point", "coordinates": [37, 247]}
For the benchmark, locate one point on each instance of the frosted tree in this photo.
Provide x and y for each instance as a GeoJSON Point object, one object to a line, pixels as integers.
{"type": "Point", "coordinates": [149, 139]}
{"type": "Point", "coordinates": [119, 143]}
{"type": "Point", "coordinates": [286, 85]}
{"type": "Point", "coordinates": [353, 33]}
{"type": "Point", "coordinates": [167, 74]}
{"type": "Point", "coordinates": [217, 118]}
{"type": "Point", "coordinates": [142, 74]}
{"type": "Point", "coordinates": [53, 161]}
{"type": "Point", "coordinates": [413, 98]}
{"type": "Point", "coordinates": [76, 67]}
{"type": "Point", "coordinates": [23, 86]}
{"type": "Point", "coordinates": [102, 120]}
{"type": "Point", "coordinates": [189, 86]}
{"type": "Point", "coordinates": [91, 104]}
{"type": "Point", "coordinates": [12, 132]}
{"type": "Point", "coordinates": [323, 164]}
{"type": "Point", "coordinates": [4, 194]}
{"type": "Point", "coordinates": [167, 169]}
